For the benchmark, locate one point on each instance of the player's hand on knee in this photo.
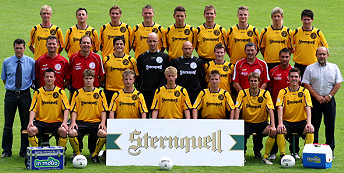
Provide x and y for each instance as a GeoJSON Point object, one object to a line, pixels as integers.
{"type": "Point", "coordinates": [281, 129]}
{"type": "Point", "coordinates": [272, 131]}
{"type": "Point", "coordinates": [65, 126]}
{"type": "Point", "coordinates": [30, 125]}
{"type": "Point", "coordinates": [102, 127]}
{"type": "Point", "coordinates": [309, 128]}
{"type": "Point", "coordinates": [73, 126]}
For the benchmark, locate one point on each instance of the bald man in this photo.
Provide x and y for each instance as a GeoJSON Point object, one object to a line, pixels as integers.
{"type": "Point", "coordinates": [151, 66]}
{"type": "Point", "coordinates": [190, 71]}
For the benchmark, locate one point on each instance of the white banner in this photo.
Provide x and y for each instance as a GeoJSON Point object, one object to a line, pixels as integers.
{"type": "Point", "coordinates": [187, 142]}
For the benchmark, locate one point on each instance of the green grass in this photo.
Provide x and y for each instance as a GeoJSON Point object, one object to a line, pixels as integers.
{"type": "Point", "coordinates": [18, 17]}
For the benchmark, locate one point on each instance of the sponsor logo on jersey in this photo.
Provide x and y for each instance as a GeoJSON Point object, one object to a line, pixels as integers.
{"type": "Point", "coordinates": [277, 41]}
{"type": "Point", "coordinates": [221, 97]}
{"type": "Point", "coordinates": [41, 38]}
{"type": "Point", "coordinates": [155, 30]}
{"type": "Point", "coordinates": [52, 32]}
{"type": "Point", "coordinates": [55, 95]}
{"type": "Point", "coordinates": [127, 104]}
{"type": "Point", "coordinates": [187, 31]}
{"type": "Point", "coordinates": [125, 62]}
{"type": "Point", "coordinates": [92, 65]}
{"type": "Point", "coordinates": [177, 93]}
{"type": "Point", "coordinates": [96, 95]}
{"type": "Point", "coordinates": [157, 67]}
{"type": "Point", "coordinates": [300, 94]}
{"type": "Point", "coordinates": [143, 37]}
{"type": "Point", "coordinates": [111, 36]}
{"type": "Point", "coordinates": [249, 33]}
{"type": "Point", "coordinates": [88, 33]}
{"type": "Point", "coordinates": [210, 39]}
{"type": "Point", "coordinates": [180, 39]}
{"type": "Point", "coordinates": [313, 35]}
{"type": "Point", "coordinates": [159, 59]}
{"type": "Point", "coordinates": [284, 33]}
{"type": "Point", "coordinates": [183, 72]}
{"type": "Point", "coordinates": [213, 104]}
{"type": "Point", "coordinates": [216, 32]}
{"type": "Point", "coordinates": [88, 103]}
{"type": "Point", "coordinates": [241, 40]}
{"type": "Point", "coordinates": [254, 107]}
{"type": "Point", "coordinates": [244, 73]}
{"type": "Point", "coordinates": [134, 97]}
{"type": "Point", "coordinates": [278, 78]}
{"type": "Point", "coordinates": [119, 69]}
{"type": "Point", "coordinates": [76, 39]}
{"type": "Point", "coordinates": [294, 102]}
{"type": "Point", "coordinates": [260, 99]}
{"type": "Point", "coordinates": [57, 66]}
{"type": "Point", "coordinates": [49, 102]}
{"type": "Point", "coordinates": [193, 65]}
{"type": "Point", "coordinates": [122, 29]}
{"type": "Point", "coordinates": [169, 100]}
{"type": "Point", "coordinates": [306, 42]}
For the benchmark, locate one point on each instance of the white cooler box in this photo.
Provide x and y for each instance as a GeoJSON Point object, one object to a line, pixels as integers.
{"type": "Point", "coordinates": [317, 156]}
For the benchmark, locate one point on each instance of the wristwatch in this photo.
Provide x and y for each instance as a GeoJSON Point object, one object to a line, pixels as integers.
{"type": "Point", "coordinates": [329, 95]}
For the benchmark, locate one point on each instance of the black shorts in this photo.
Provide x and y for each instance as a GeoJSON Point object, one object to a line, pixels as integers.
{"type": "Point", "coordinates": [108, 95]}
{"type": "Point", "coordinates": [87, 128]}
{"type": "Point", "coordinates": [257, 128]}
{"type": "Point", "coordinates": [295, 127]}
{"type": "Point", "coordinates": [44, 127]}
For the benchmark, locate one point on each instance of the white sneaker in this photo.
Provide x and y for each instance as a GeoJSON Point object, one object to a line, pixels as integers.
{"type": "Point", "coordinates": [272, 157]}
{"type": "Point", "coordinates": [296, 156]}
{"type": "Point", "coordinates": [266, 161]}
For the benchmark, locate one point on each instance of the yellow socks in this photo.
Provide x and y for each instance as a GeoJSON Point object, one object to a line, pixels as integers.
{"type": "Point", "coordinates": [33, 141]}
{"type": "Point", "coordinates": [99, 145]}
{"type": "Point", "coordinates": [281, 143]}
{"type": "Point", "coordinates": [309, 138]}
{"type": "Point", "coordinates": [268, 146]}
{"type": "Point", "coordinates": [75, 145]}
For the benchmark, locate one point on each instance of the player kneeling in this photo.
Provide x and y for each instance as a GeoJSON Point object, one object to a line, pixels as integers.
{"type": "Point", "coordinates": [294, 112]}
{"type": "Point", "coordinates": [89, 108]}
{"type": "Point", "coordinates": [50, 107]}
{"type": "Point", "coordinates": [255, 103]}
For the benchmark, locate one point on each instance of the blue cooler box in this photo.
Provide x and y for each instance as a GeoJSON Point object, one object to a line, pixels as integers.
{"type": "Point", "coordinates": [44, 158]}
{"type": "Point", "coordinates": [317, 156]}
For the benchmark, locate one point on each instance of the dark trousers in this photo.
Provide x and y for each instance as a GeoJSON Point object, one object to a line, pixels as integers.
{"type": "Point", "coordinates": [301, 67]}
{"type": "Point", "coordinates": [329, 111]}
{"type": "Point", "coordinates": [12, 102]}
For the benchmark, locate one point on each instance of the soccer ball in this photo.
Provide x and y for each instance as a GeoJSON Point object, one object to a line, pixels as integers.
{"type": "Point", "coordinates": [80, 161]}
{"type": "Point", "coordinates": [287, 161]}
{"type": "Point", "coordinates": [165, 163]}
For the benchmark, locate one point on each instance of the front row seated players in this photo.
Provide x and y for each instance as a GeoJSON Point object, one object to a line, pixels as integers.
{"type": "Point", "coordinates": [255, 103]}
{"type": "Point", "coordinates": [50, 107]}
{"type": "Point", "coordinates": [128, 102]}
{"type": "Point", "coordinates": [294, 112]}
{"type": "Point", "coordinates": [171, 101]}
{"type": "Point", "coordinates": [216, 103]}
{"type": "Point", "coordinates": [88, 116]}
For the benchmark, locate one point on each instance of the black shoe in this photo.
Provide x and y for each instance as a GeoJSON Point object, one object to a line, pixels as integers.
{"type": "Point", "coordinates": [23, 155]}
{"type": "Point", "coordinates": [258, 156]}
{"type": "Point", "coordinates": [96, 159]}
{"type": "Point", "coordinates": [5, 155]}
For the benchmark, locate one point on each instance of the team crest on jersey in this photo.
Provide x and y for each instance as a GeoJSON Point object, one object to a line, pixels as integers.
{"type": "Point", "coordinates": [88, 33]}
{"type": "Point", "coordinates": [249, 33]}
{"type": "Point", "coordinates": [57, 66]}
{"type": "Point", "coordinates": [260, 99]}
{"type": "Point", "coordinates": [125, 62]}
{"type": "Point", "coordinates": [225, 68]}
{"type": "Point", "coordinates": [92, 65]}
{"type": "Point", "coordinates": [52, 32]}
{"type": "Point", "coordinates": [155, 30]}
{"type": "Point", "coordinates": [134, 97]}
{"type": "Point", "coordinates": [55, 95]}
{"type": "Point", "coordinates": [284, 33]}
{"type": "Point", "coordinates": [313, 35]}
{"type": "Point", "coordinates": [122, 29]}
{"type": "Point", "coordinates": [216, 32]}
{"type": "Point", "coordinates": [187, 31]}
{"type": "Point", "coordinates": [221, 97]}
{"type": "Point", "coordinates": [177, 93]}
{"type": "Point", "coordinates": [96, 95]}
{"type": "Point", "coordinates": [158, 59]}
{"type": "Point", "coordinates": [300, 94]}
{"type": "Point", "coordinates": [193, 65]}
{"type": "Point", "coordinates": [257, 71]}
